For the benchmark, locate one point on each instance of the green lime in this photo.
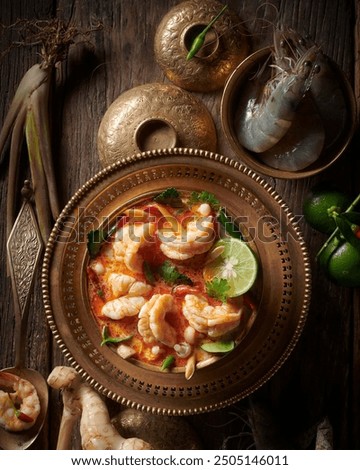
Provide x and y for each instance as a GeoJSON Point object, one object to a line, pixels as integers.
{"type": "Point", "coordinates": [218, 347]}
{"type": "Point", "coordinates": [319, 205]}
{"type": "Point", "coordinates": [341, 262]}
{"type": "Point", "coordinates": [235, 262]}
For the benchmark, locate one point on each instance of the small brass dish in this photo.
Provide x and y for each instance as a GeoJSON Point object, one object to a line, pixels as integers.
{"type": "Point", "coordinates": [283, 287]}
{"type": "Point", "coordinates": [232, 101]}
{"type": "Point", "coordinates": [154, 116]}
{"type": "Point", "coordinates": [226, 45]}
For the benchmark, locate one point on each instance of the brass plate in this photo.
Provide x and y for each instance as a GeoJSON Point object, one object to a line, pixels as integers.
{"type": "Point", "coordinates": [234, 87]}
{"type": "Point", "coordinates": [284, 281]}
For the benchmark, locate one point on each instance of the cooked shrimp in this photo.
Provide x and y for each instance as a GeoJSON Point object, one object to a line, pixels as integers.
{"type": "Point", "coordinates": [122, 307]}
{"type": "Point", "coordinates": [122, 284]}
{"type": "Point", "coordinates": [128, 242]}
{"type": "Point", "coordinates": [194, 239]}
{"type": "Point", "coordinates": [18, 409]}
{"type": "Point", "coordinates": [268, 115]}
{"type": "Point", "coordinates": [152, 324]}
{"type": "Point", "coordinates": [97, 431]}
{"type": "Point", "coordinates": [210, 320]}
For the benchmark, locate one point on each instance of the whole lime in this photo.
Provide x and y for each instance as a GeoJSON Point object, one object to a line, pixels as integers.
{"type": "Point", "coordinates": [320, 204]}
{"type": "Point", "coordinates": [341, 262]}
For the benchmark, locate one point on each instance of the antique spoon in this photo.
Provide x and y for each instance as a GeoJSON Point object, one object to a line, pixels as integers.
{"type": "Point", "coordinates": [24, 249]}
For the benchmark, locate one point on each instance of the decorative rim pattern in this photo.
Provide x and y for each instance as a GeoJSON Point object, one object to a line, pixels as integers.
{"type": "Point", "coordinates": [186, 393]}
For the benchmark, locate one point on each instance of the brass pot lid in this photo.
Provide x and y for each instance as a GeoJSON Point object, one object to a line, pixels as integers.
{"type": "Point", "coordinates": [207, 71]}
{"type": "Point", "coordinates": [154, 116]}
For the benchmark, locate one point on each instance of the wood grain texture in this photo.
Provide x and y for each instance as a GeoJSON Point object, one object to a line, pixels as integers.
{"type": "Point", "coordinates": [321, 377]}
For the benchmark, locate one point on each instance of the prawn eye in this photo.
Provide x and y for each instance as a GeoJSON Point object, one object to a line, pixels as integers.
{"type": "Point", "coordinates": [317, 68]}
{"type": "Point", "coordinates": [308, 63]}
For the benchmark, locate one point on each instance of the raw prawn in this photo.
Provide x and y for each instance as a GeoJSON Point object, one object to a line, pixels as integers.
{"type": "Point", "coordinates": [196, 238]}
{"type": "Point", "coordinates": [122, 307]}
{"type": "Point", "coordinates": [20, 408]}
{"type": "Point", "coordinates": [128, 241]}
{"type": "Point", "coordinates": [267, 118]}
{"type": "Point", "coordinates": [152, 324]}
{"type": "Point", "coordinates": [213, 321]}
{"type": "Point", "coordinates": [97, 431]}
{"type": "Point", "coordinates": [302, 144]}
{"type": "Point", "coordinates": [122, 284]}
{"type": "Point", "coordinates": [325, 87]}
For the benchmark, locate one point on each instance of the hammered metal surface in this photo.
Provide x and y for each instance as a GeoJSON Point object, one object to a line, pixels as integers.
{"type": "Point", "coordinates": [283, 296]}
{"type": "Point", "coordinates": [24, 249]}
{"type": "Point", "coordinates": [187, 116]}
{"type": "Point", "coordinates": [203, 74]}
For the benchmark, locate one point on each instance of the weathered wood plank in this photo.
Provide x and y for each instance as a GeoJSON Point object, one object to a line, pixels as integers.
{"type": "Point", "coordinates": [311, 383]}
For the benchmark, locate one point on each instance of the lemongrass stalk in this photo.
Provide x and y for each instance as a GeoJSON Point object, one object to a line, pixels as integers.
{"type": "Point", "coordinates": [40, 108]}
{"type": "Point", "coordinates": [41, 194]}
{"type": "Point", "coordinates": [15, 151]}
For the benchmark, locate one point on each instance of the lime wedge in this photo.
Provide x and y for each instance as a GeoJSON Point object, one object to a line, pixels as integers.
{"type": "Point", "coordinates": [236, 263]}
{"type": "Point", "coordinates": [218, 347]}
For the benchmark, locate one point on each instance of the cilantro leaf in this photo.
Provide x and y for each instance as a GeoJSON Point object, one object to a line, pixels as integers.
{"type": "Point", "coordinates": [169, 196]}
{"type": "Point", "coordinates": [204, 197]}
{"type": "Point", "coordinates": [218, 289]}
{"type": "Point", "coordinates": [172, 275]}
{"type": "Point", "coordinates": [96, 238]}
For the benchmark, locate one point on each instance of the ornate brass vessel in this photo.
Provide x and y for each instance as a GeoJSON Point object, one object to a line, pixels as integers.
{"type": "Point", "coordinates": [226, 45]}
{"type": "Point", "coordinates": [154, 116]}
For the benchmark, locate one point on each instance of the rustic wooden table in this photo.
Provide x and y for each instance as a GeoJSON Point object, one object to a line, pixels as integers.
{"type": "Point", "coordinates": [321, 378]}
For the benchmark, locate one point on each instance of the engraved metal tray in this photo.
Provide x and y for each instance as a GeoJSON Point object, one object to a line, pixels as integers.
{"type": "Point", "coordinates": [283, 287]}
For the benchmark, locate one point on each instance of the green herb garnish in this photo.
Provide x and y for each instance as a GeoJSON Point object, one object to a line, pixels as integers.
{"type": "Point", "coordinates": [105, 338]}
{"type": "Point", "coordinates": [218, 289]}
{"type": "Point", "coordinates": [218, 347]}
{"type": "Point", "coordinates": [148, 272]}
{"type": "Point", "coordinates": [167, 362]}
{"type": "Point", "coordinates": [198, 42]}
{"type": "Point", "coordinates": [204, 197]}
{"type": "Point", "coordinates": [100, 293]}
{"type": "Point", "coordinates": [96, 238]}
{"type": "Point", "coordinates": [229, 226]}
{"type": "Point", "coordinates": [170, 197]}
{"type": "Point", "coordinates": [172, 275]}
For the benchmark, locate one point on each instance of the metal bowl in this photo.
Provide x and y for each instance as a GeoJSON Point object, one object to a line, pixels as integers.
{"type": "Point", "coordinates": [283, 287]}
{"type": "Point", "coordinates": [232, 101]}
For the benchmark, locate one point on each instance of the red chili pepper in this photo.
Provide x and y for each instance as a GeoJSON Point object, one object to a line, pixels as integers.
{"type": "Point", "coordinates": [23, 417]}
{"type": "Point", "coordinates": [19, 414]}
{"type": "Point", "coordinates": [357, 232]}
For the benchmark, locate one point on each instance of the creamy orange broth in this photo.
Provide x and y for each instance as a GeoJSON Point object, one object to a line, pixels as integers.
{"type": "Point", "coordinates": [100, 292]}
